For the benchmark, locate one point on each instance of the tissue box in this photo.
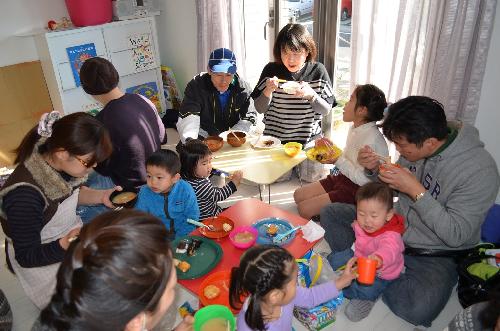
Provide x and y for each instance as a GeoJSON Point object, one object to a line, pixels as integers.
{"type": "Point", "coordinates": [312, 270]}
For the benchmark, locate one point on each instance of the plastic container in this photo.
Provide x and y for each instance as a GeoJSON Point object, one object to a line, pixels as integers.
{"type": "Point", "coordinates": [367, 269]}
{"type": "Point", "coordinates": [292, 148]}
{"type": "Point", "coordinates": [89, 12]}
{"type": "Point", "coordinates": [241, 229]}
{"type": "Point", "coordinates": [213, 312]}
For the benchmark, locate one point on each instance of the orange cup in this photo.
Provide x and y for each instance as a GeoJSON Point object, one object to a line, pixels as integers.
{"type": "Point", "coordinates": [367, 269]}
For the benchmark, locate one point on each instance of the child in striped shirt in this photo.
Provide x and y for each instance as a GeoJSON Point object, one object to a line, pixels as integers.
{"type": "Point", "coordinates": [196, 166]}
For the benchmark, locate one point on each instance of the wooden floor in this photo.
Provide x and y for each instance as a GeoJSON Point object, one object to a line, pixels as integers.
{"type": "Point", "coordinates": [380, 318]}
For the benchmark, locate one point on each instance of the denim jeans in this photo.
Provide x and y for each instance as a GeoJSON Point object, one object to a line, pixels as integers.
{"type": "Point", "coordinates": [336, 219]}
{"type": "Point", "coordinates": [420, 293]}
{"type": "Point", "coordinates": [366, 292]}
{"type": "Point", "coordinates": [338, 259]}
{"type": "Point", "coordinates": [98, 182]}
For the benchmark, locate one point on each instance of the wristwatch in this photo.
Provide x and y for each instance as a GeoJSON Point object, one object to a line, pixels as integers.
{"type": "Point", "coordinates": [419, 196]}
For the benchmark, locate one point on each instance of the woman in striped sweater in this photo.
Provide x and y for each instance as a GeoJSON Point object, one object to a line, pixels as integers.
{"type": "Point", "coordinates": [294, 117]}
{"type": "Point", "coordinates": [196, 166]}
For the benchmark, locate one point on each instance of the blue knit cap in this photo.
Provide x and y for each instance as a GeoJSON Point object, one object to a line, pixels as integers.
{"type": "Point", "coordinates": [222, 60]}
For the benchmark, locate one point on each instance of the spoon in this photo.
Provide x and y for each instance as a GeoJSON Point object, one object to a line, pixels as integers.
{"type": "Point", "coordinates": [202, 225]}
{"type": "Point", "coordinates": [282, 236]}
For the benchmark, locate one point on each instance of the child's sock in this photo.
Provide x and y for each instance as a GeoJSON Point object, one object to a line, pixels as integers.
{"type": "Point", "coordinates": [357, 309]}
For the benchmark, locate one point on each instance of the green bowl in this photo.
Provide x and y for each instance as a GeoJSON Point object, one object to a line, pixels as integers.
{"type": "Point", "coordinates": [211, 312]}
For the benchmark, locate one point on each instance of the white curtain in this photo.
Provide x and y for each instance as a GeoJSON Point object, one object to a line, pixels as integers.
{"type": "Point", "coordinates": [436, 48]}
{"type": "Point", "coordinates": [220, 24]}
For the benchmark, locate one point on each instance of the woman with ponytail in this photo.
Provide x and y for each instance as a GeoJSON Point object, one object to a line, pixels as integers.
{"type": "Point", "coordinates": [38, 201]}
{"type": "Point", "coordinates": [268, 275]}
{"type": "Point", "coordinates": [118, 275]}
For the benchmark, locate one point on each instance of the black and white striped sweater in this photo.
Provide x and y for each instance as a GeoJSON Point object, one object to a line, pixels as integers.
{"type": "Point", "coordinates": [290, 118]}
{"type": "Point", "coordinates": [208, 195]}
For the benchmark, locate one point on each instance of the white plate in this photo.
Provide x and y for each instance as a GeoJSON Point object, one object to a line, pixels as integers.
{"type": "Point", "coordinates": [224, 134]}
{"type": "Point", "coordinates": [260, 142]}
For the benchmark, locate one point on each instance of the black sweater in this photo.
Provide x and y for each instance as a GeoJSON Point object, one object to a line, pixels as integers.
{"type": "Point", "coordinates": [136, 133]}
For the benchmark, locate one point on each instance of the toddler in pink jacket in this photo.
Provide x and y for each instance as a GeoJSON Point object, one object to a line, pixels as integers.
{"type": "Point", "coordinates": [378, 232]}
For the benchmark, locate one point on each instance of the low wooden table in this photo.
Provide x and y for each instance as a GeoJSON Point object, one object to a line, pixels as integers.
{"type": "Point", "coordinates": [260, 166]}
{"type": "Point", "coordinates": [248, 212]}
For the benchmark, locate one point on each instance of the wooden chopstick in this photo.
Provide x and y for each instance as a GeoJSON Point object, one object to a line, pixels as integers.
{"type": "Point", "coordinates": [234, 134]}
{"type": "Point", "coordinates": [281, 80]}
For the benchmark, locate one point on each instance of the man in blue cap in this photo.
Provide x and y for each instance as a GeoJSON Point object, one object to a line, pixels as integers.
{"type": "Point", "coordinates": [217, 100]}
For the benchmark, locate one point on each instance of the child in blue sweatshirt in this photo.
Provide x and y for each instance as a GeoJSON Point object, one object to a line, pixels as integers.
{"type": "Point", "coordinates": [166, 195]}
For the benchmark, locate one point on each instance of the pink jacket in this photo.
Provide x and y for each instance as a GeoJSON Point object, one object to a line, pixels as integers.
{"type": "Point", "coordinates": [386, 243]}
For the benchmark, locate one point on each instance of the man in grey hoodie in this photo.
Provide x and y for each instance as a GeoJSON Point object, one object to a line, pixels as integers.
{"type": "Point", "coordinates": [447, 182]}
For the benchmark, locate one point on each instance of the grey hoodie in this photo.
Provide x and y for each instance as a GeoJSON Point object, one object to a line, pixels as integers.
{"type": "Point", "coordinates": [462, 183]}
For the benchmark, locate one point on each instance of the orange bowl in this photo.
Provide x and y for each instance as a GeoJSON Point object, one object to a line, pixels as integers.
{"type": "Point", "coordinates": [214, 143]}
{"type": "Point", "coordinates": [387, 166]}
{"type": "Point", "coordinates": [236, 138]}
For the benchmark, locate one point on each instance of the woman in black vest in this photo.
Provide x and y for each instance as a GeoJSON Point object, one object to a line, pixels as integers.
{"type": "Point", "coordinates": [38, 201]}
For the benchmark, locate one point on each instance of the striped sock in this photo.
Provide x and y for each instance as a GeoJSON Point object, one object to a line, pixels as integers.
{"type": "Point", "coordinates": [357, 309]}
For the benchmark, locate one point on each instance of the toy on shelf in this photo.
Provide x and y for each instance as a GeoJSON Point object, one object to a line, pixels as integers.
{"type": "Point", "coordinates": [64, 24]}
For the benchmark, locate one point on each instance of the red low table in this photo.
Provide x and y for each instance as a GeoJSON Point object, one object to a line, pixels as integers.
{"type": "Point", "coordinates": [247, 212]}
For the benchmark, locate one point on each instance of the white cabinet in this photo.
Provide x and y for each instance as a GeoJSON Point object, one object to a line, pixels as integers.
{"type": "Point", "coordinates": [132, 47]}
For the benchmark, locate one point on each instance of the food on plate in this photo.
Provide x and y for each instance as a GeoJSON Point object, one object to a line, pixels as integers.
{"type": "Point", "coordinates": [193, 246]}
{"type": "Point", "coordinates": [123, 198]}
{"type": "Point", "coordinates": [227, 227]}
{"type": "Point", "coordinates": [324, 154]}
{"type": "Point", "coordinates": [211, 292]}
{"type": "Point", "coordinates": [182, 247]}
{"type": "Point", "coordinates": [216, 324]}
{"type": "Point", "coordinates": [243, 237]}
{"type": "Point", "coordinates": [268, 143]}
{"type": "Point", "coordinates": [183, 266]}
{"type": "Point", "coordinates": [272, 229]}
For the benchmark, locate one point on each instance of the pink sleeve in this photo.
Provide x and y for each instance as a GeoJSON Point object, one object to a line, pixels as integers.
{"type": "Point", "coordinates": [390, 247]}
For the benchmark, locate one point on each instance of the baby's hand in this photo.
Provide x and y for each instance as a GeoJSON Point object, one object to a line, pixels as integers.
{"type": "Point", "coordinates": [376, 258]}
{"type": "Point", "coordinates": [348, 275]}
{"type": "Point", "coordinates": [236, 177]}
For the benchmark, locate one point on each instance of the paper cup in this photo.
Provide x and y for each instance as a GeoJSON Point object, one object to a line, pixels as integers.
{"type": "Point", "coordinates": [366, 270]}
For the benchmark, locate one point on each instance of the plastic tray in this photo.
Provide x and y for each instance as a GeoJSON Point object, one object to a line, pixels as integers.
{"type": "Point", "coordinates": [283, 226]}
{"type": "Point", "coordinates": [205, 258]}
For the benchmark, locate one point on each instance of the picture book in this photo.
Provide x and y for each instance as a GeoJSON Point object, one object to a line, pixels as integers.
{"type": "Point", "coordinates": [150, 91]}
{"type": "Point", "coordinates": [77, 55]}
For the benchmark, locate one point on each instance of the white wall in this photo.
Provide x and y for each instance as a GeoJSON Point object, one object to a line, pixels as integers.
{"type": "Point", "coordinates": [177, 32]}
{"type": "Point", "coordinates": [177, 36]}
{"type": "Point", "coordinates": [488, 118]}
{"type": "Point", "coordinates": [19, 17]}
